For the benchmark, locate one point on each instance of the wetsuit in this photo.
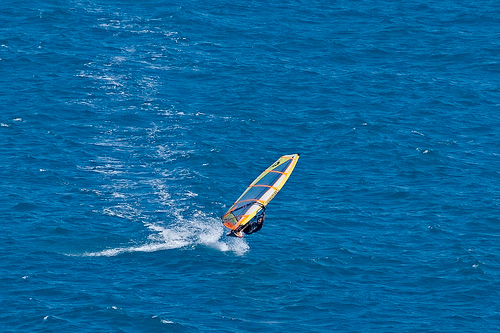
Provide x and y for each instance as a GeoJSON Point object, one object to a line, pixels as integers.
{"type": "Point", "coordinates": [255, 225]}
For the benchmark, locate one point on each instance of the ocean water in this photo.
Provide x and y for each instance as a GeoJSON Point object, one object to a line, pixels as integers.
{"type": "Point", "coordinates": [127, 128]}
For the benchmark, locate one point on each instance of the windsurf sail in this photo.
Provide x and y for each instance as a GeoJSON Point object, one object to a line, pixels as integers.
{"type": "Point", "coordinates": [260, 192]}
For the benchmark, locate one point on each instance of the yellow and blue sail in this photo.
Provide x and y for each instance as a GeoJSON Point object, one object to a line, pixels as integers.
{"type": "Point", "coordinates": [260, 192]}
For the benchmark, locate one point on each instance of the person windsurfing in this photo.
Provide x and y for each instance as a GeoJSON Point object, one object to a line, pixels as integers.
{"type": "Point", "coordinates": [251, 227]}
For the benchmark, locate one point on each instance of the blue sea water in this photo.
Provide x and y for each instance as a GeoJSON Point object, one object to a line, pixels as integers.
{"type": "Point", "coordinates": [129, 127]}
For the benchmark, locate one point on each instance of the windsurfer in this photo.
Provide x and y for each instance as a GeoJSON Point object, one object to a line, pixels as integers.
{"type": "Point", "coordinates": [251, 227]}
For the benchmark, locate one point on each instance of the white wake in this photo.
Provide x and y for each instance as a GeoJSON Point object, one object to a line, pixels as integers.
{"type": "Point", "coordinates": [198, 231]}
